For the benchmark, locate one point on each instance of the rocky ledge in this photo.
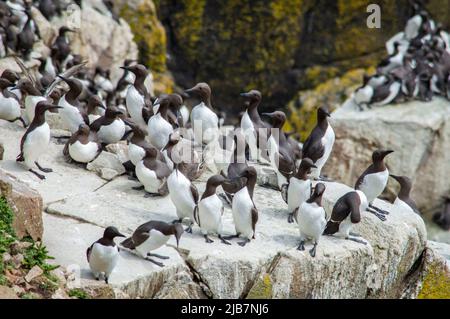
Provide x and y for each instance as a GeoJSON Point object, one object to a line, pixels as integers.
{"type": "Point", "coordinates": [419, 133]}
{"type": "Point", "coordinates": [78, 204]}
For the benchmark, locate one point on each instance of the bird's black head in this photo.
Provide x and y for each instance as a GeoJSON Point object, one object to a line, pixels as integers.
{"type": "Point", "coordinates": [112, 232]}
{"type": "Point", "coordinates": [215, 181]}
{"type": "Point", "coordinates": [64, 30]}
{"type": "Point", "coordinates": [137, 69]}
{"type": "Point", "coordinates": [277, 118]}
{"type": "Point", "coordinates": [201, 90]}
{"type": "Point", "coordinates": [322, 113]}
{"type": "Point", "coordinates": [253, 96]}
{"type": "Point", "coordinates": [379, 155]}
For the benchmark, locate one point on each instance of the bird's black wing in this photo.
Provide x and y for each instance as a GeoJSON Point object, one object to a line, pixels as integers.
{"type": "Point", "coordinates": [313, 147]}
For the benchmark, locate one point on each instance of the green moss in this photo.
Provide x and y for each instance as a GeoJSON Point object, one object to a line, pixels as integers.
{"type": "Point", "coordinates": [149, 34]}
{"type": "Point", "coordinates": [262, 289]}
{"type": "Point", "coordinates": [79, 293]}
{"type": "Point", "coordinates": [332, 93]}
{"type": "Point", "coordinates": [436, 284]}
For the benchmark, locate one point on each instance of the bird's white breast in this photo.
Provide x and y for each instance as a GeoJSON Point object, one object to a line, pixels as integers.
{"type": "Point", "coordinates": [311, 220]}
{"type": "Point", "coordinates": [30, 105]}
{"type": "Point", "coordinates": [180, 194]}
{"type": "Point", "coordinates": [241, 207]}
{"type": "Point", "coordinates": [70, 115]}
{"type": "Point", "coordinates": [148, 178]}
{"type": "Point", "coordinates": [136, 153]}
{"type": "Point", "coordinates": [112, 133]}
{"type": "Point", "coordinates": [298, 192]}
{"type": "Point", "coordinates": [103, 258]}
{"type": "Point", "coordinates": [159, 131]}
{"type": "Point", "coordinates": [205, 123]}
{"type": "Point", "coordinates": [154, 241]}
{"type": "Point", "coordinates": [9, 108]}
{"type": "Point", "coordinates": [210, 213]}
{"type": "Point", "coordinates": [135, 103]}
{"type": "Point", "coordinates": [374, 184]}
{"type": "Point", "coordinates": [36, 143]}
{"type": "Point", "coordinates": [83, 153]}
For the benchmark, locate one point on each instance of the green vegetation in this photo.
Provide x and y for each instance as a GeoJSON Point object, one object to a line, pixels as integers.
{"type": "Point", "coordinates": [436, 284]}
{"type": "Point", "coordinates": [37, 255]}
{"type": "Point", "coordinates": [79, 293]}
{"type": "Point", "coordinates": [7, 236]}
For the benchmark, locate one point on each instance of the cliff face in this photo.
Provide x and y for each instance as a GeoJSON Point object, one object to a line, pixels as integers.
{"type": "Point", "coordinates": [279, 47]}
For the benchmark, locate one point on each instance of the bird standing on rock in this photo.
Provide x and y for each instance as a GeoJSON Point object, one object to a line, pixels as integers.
{"type": "Point", "coordinates": [320, 142]}
{"type": "Point", "coordinates": [152, 173]}
{"type": "Point", "coordinates": [347, 211]}
{"type": "Point", "coordinates": [103, 255]}
{"type": "Point", "coordinates": [36, 139]}
{"type": "Point", "coordinates": [138, 102]}
{"type": "Point", "coordinates": [159, 128]}
{"type": "Point", "coordinates": [184, 196]}
{"type": "Point", "coordinates": [9, 104]}
{"type": "Point", "coordinates": [210, 209]}
{"type": "Point", "coordinates": [311, 219]}
{"type": "Point", "coordinates": [203, 119]}
{"type": "Point", "coordinates": [245, 214]}
{"type": "Point", "coordinates": [403, 198]}
{"type": "Point", "coordinates": [374, 180]}
{"type": "Point", "coordinates": [151, 236]}
{"type": "Point", "coordinates": [282, 157]}
{"type": "Point", "coordinates": [109, 127]}
{"type": "Point", "coordinates": [72, 113]}
{"type": "Point", "coordinates": [299, 188]}
{"type": "Point", "coordinates": [83, 146]}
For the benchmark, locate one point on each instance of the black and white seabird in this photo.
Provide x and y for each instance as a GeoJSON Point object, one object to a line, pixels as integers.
{"type": "Point", "coordinates": [347, 211]}
{"type": "Point", "coordinates": [83, 146]}
{"type": "Point", "coordinates": [138, 100]}
{"type": "Point", "coordinates": [95, 108]}
{"type": "Point", "coordinates": [311, 219]}
{"type": "Point", "coordinates": [237, 166]}
{"type": "Point", "coordinates": [204, 120]}
{"type": "Point", "coordinates": [245, 213]}
{"type": "Point", "coordinates": [103, 255]}
{"type": "Point", "coordinates": [61, 48]}
{"type": "Point", "coordinates": [184, 196]}
{"type": "Point", "coordinates": [403, 198]}
{"type": "Point", "coordinates": [138, 143]}
{"type": "Point", "coordinates": [281, 154]}
{"type": "Point", "coordinates": [159, 128]}
{"type": "Point", "coordinates": [152, 173]}
{"type": "Point", "coordinates": [72, 113]}
{"type": "Point", "coordinates": [182, 152]}
{"type": "Point", "coordinates": [125, 80]}
{"type": "Point", "coordinates": [36, 139]}
{"type": "Point", "coordinates": [9, 103]}
{"type": "Point", "coordinates": [151, 236]}
{"type": "Point", "coordinates": [253, 127]}
{"type": "Point", "coordinates": [209, 212]}
{"type": "Point", "coordinates": [109, 127]}
{"type": "Point", "coordinates": [32, 97]}
{"type": "Point", "coordinates": [374, 180]}
{"type": "Point", "coordinates": [320, 142]}
{"type": "Point", "coordinates": [299, 188]}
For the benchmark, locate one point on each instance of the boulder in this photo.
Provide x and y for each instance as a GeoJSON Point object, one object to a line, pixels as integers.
{"type": "Point", "coordinates": [27, 206]}
{"type": "Point", "coordinates": [7, 293]}
{"type": "Point", "coordinates": [107, 165]}
{"type": "Point", "coordinates": [418, 132]}
{"type": "Point", "coordinates": [120, 149]}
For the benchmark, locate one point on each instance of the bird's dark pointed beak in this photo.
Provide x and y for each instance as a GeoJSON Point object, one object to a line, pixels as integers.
{"type": "Point", "coordinates": [189, 91]}
{"type": "Point", "coordinates": [394, 176]}
{"type": "Point", "coordinates": [313, 166]}
{"type": "Point", "coordinates": [387, 152]}
{"type": "Point", "coordinates": [120, 235]}
{"type": "Point", "coordinates": [328, 114]}
{"type": "Point", "coordinates": [125, 68]}
{"type": "Point", "coordinates": [245, 94]}
{"type": "Point", "coordinates": [54, 107]}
